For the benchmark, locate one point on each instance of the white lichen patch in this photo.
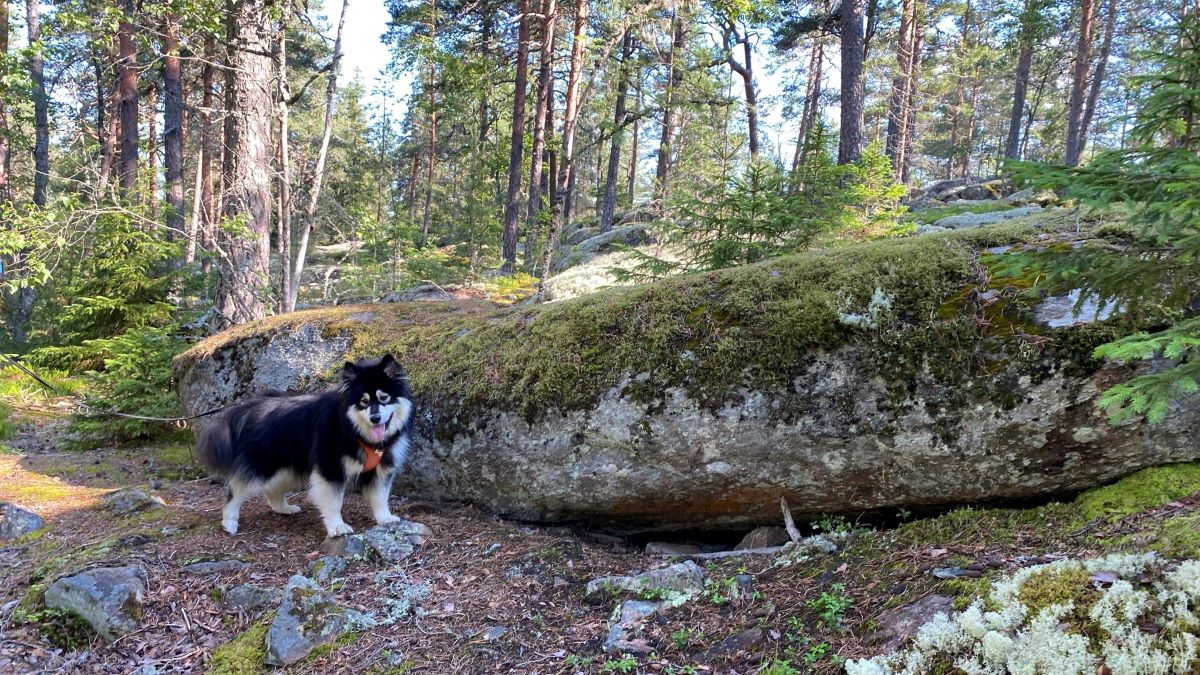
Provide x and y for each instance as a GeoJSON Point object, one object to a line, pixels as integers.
{"type": "Point", "coordinates": [1128, 613]}
{"type": "Point", "coordinates": [878, 307]}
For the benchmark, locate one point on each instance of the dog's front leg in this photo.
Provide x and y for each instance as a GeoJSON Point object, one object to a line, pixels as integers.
{"type": "Point", "coordinates": [377, 492]}
{"type": "Point", "coordinates": [327, 496]}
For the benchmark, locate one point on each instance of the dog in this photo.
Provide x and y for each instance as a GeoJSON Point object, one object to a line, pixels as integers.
{"type": "Point", "coordinates": [276, 442]}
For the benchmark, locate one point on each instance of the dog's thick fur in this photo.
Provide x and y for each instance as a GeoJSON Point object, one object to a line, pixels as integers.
{"type": "Point", "coordinates": [276, 442]}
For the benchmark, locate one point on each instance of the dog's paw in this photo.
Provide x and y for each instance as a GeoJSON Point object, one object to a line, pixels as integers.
{"type": "Point", "coordinates": [286, 509]}
{"type": "Point", "coordinates": [339, 529]}
{"type": "Point", "coordinates": [387, 519]}
{"type": "Point", "coordinates": [230, 526]}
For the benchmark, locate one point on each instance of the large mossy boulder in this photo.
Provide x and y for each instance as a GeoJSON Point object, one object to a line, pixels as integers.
{"type": "Point", "coordinates": [877, 376]}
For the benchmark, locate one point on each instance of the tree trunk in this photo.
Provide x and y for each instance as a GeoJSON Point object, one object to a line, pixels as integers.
{"type": "Point", "coordinates": [512, 206]}
{"type": "Point", "coordinates": [633, 145]}
{"type": "Point", "coordinates": [41, 107]}
{"type": "Point", "coordinates": [412, 186]}
{"type": "Point", "coordinates": [910, 126]}
{"type": "Point", "coordinates": [850, 142]}
{"type": "Point", "coordinates": [246, 188]}
{"type": "Point", "coordinates": [746, 72]}
{"type": "Point", "coordinates": [127, 101]}
{"type": "Point", "coordinates": [173, 126]}
{"type": "Point", "coordinates": [1079, 78]}
{"type": "Point", "coordinates": [5, 147]}
{"type": "Point", "coordinates": [283, 198]}
{"type": "Point", "coordinates": [309, 223]}
{"type": "Point", "coordinates": [152, 151]}
{"type": "Point", "coordinates": [542, 123]}
{"type": "Point", "coordinates": [433, 121]}
{"type": "Point", "coordinates": [898, 103]}
{"type": "Point", "coordinates": [208, 152]}
{"type": "Point", "coordinates": [570, 115]}
{"type": "Point", "coordinates": [1012, 144]}
{"type": "Point", "coordinates": [608, 204]}
{"type": "Point", "coordinates": [675, 79]}
{"type": "Point", "coordinates": [1093, 97]}
{"type": "Point", "coordinates": [812, 102]}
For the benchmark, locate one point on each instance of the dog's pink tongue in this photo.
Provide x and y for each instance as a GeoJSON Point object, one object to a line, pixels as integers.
{"type": "Point", "coordinates": [378, 432]}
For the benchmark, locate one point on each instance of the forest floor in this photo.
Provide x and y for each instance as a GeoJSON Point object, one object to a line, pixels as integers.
{"type": "Point", "coordinates": [502, 596]}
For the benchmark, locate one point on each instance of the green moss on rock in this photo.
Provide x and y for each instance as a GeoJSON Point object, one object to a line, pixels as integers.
{"type": "Point", "coordinates": [1146, 489]}
{"type": "Point", "coordinates": [244, 655]}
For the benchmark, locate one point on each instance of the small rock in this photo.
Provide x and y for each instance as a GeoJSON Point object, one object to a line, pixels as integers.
{"type": "Point", "coordinates": [326, 568]}
{"type": "Point", "coordinates": [733, 644]}
{"type": "Point", "coordinates": [1059, 311]}
{"type": "Point", "coordinates": [631, 615]}
{"type": "Point", "coordinates": [348, 546]}
{"type": "Point", "coordinates": [215, 566]}
{"type": "Point", "coordinates": [763, 537]}
{"type": "Point", "coordinates": [1029, 196]}
{"type": "Point", "coordinates": [307, 617]}
{"type": "Point", "coordinates": [954, 572]}
{"type": "Point", "coordinates": [896, 626]}
{"type": "Point", "coordinates": [969, 220]}
{"type": "Point", "coordinates": [250, 597]}
{"type": "Point", "coordinates": [396, 541]}
{"type": "Point", "coordinates": [131, 500]}
{"type": "Point", "coordinates": [745, 584]}
{"type": "Point", "coordinates": [493, 633]}
{"type": "Point", "coordinates": [133, 541]}
{"type": "Point", "coordinates": [668, 548]}
{"type": "Point", "coordinates": [109, 599]}
{"type": "Point", "coordinates": [676, 584]}
{"type": "Point", "coordinates": [18, 522]}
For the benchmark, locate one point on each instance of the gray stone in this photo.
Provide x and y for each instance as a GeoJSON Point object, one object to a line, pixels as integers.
{"type": "Point", "coordinates": [630, 617]}
{"type": "Point", "coordinates": [674, 584]}
{"type": "Point", "coordinates": [969, 220]}
{"type": "Point", "coordinates": [614, 239]}
{"type": "Point", "coordinates": [492, 634]}
{"type": "Point", "coordinates": [250, 597]}
{"type": "Point", "coordinates": [18, 522]}
{"type": "Point", "coordinates": [896, 626]}
{"type": "Point", "coordinates": [866, 420]}
{"type": "Point", "coordinates": [346, 546]}
{"type": "Point", "coordinates": [215, 566]}
{"type": "Point", "coordinates": [668, 548]}
{"type": "Point", "coordinates": [131, 500]}
{"type": "Point", "coordinates": [307, 617]}
{"type": "Point", "coordinates": [396, 541]}
{"type": "Point", "coordinates": [326, 568]}
{"type": "Point", "coordinates": [1030, 196]}
{"type": "Point", "coordinates": [109, 599]}
{"type": "Point", "coordinates": [738, 642]}
{"type": "Point", "coordinates": [763, 537]}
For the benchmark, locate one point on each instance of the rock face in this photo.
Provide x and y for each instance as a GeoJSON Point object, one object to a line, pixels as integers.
{"type": "Point", "coordinates": [18, 522]}
{"type": "Point", "coordinates": [849, 380]}
{"type": "Point", "coordinates": [109, 599]}
{"type": "Point", "coordinates": [131, 500]}
{"type": "Point", "coordinates": [965, 220]}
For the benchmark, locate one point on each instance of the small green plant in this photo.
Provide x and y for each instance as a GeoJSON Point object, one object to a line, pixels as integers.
{"type": "Point", "coordinates": [59, 627]}
{"type": "Point", "coordinates": [816, 652]}
{"type": "Point", "coordinates": [8, 427]}
{"type": "Point", "coordinates": [831, 607]}
{"type": "Point", "coordinates": [576, 661]}
{"type": "Point", "coordinates": [625, 664]}
{"type": "Point", "coordinates": [832, 525]}
{"type": "Point", "coordinates": [721, 591]}
{"type": "Point", "coordinates": [779, 667]}
{"type": "Point", "coordinates": [684, 636]}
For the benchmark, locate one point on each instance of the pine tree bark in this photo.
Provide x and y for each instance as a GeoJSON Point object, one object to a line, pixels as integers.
{"type": "Point", "coordinates": [1079, 79]}
{"type": "Point", "coordinates": [850, 142]}
{"type": "Point", "coordinates": [633, 146]}
{"type": "Point", "coordinates": [746, 72]}
{"type": "Point", "coordinates": [674, 81]}
{"type": "Point", "coordinates": [173, 125]}
{"type": "Point", "coordinates": [41, 106]}
{"type": "Point", "coordinates": [512, 206]}
{"type": "Point", "coordinates": [542, 127]}
{"type": "Point", "coordinates": [208, 152]}
{"type": "Point", "coordinates": [308, 224]}
{"type": "Point", "coordinates": [5, 146]}
{"type": "Point", "coordinates": [899, 102]}
{"type": "Point", "coordinates": [283, 196]}
{"type": "Point", "coordinates": [127, 101]}
{"type": "Point", "coordinates": [812, 98]}
{"type": "Point", "coordinates": [1012, 144]}
{"type": "Point", "coordinates": [570, 116]}
{"type": "Point", "coordinates": [913, 82]}
{"type": "Point", "coordinates": [1097, 80]}
{"type": "Point", "coordinates": [608, 205]}
{"type": "Point", "coordinates": [244, 275]}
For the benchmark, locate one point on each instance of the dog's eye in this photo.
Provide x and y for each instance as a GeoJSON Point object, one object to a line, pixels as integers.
{"type": "Point", "coordinates": [382, 396]}
{"type": "Point", "coordinates": [364, 401]}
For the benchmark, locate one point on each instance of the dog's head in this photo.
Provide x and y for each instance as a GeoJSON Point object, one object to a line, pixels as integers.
{"type": "Point", "coordinates": [378, 400]}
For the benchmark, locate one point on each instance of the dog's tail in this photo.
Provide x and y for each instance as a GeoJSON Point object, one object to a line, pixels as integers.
{"type": "Point", "coordinates": [216, 450]}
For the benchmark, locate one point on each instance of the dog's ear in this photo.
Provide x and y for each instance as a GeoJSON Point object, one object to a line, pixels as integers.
{"type": "Point", "coordinates": [349, 372]}
{"type": "Point", "coordinates": [390, 367]}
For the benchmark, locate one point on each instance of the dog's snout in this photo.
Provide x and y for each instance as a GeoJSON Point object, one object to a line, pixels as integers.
{"type": "Point", "coordinates": [376, 418]}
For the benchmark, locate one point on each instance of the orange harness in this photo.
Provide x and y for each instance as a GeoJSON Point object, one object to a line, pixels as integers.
{"type": "Point", "coordinates": [374, 456]}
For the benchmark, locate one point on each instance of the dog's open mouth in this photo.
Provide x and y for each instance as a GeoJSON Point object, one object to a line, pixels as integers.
{"type": "Point", "coordinates": [378, 432]}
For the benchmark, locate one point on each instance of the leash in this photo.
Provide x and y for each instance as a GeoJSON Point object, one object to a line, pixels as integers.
{"type": "Point", "coordinates": [180, 422]}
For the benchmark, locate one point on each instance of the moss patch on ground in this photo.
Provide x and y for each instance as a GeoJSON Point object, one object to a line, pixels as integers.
{"type": "Point", "coordinates": [244, 655]}
{"type": "Point", "coordinates": [710, 332]}
{"type": "Point", "coordinates": [1146, 489]}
